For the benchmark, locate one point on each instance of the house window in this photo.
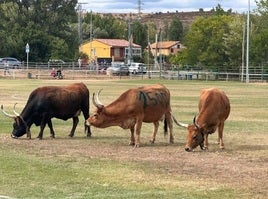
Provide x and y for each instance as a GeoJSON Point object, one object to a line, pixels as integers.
{"type": "Point", "coordinates": [117, 52]}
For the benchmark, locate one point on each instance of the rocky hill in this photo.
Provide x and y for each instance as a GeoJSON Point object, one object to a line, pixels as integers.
{"type": "Point", "coordinates": [161, 19]}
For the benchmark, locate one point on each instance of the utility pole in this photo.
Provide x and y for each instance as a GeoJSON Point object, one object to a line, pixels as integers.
{"type": "Point", "coordinates": [79, 16]}
{"type": "Point", "coordinates": [130, 41]}
{"type": "Point", "coordinates": [139, 9]}
{"type": "Point", "coordinates": [247, 60]}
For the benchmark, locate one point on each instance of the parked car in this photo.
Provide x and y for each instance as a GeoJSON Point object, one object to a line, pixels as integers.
{"type": "Point", "coordinates": [9, 62]}
{"type": "Point", "coordinates": [117, 69]}
{"type": "Point", "coordinates": [136, 68]}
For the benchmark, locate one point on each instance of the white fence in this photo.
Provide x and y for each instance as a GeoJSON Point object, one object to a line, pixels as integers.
{"type": "Point", "coordinates": [71, 71]}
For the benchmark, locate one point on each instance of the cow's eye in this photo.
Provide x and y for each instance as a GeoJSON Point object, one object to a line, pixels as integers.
{"type": "Point", "coordinates": [195, 137]}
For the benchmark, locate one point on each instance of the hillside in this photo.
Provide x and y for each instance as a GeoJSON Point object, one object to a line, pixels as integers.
{"type": "Point", "coordinates": [161, 19]}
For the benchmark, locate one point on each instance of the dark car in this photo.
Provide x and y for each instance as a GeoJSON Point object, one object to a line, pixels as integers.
{"type": "Point", "coordinates": [118, 69]}
{"type": "Point", "coordinates": [9, 62]}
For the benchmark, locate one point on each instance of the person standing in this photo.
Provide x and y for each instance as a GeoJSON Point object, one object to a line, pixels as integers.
{"type": "Point", "coordinates": [79, 63]}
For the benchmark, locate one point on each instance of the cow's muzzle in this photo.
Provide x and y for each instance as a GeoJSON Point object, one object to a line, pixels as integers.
{"type": "Point", "coordinates": [14, 136]}
{"type": "Point", "coordinates": [188, 149]}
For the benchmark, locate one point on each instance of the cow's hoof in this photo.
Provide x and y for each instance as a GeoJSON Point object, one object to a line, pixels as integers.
{"type": "Point", "coordinates": [152, 141]}
{"type": "Point", "coordinates": [70, 135]}
{"type": "Point", "coordinates": [39, 137]}
{"type": "Point", "coordinates": [136, 145]}
{"type": "Point", "coordinates": [188, 149]}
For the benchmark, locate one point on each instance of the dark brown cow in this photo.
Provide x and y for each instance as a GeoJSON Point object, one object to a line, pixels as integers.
{"type": "Point", "coordinates": [148, 104]}
{"type": "Point", "coordinates": [214, 109]}
{"type": "Point", "coordinates": [45, 103]}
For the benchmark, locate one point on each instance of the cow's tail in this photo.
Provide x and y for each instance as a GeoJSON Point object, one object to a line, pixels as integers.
{"type": "Point", "coordinates": [165, 127]}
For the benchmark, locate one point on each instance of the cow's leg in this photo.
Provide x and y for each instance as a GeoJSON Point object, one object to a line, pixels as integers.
{"type": "Point", "coordinates": [156, 125]}
{"type": "Point", "coordinates": [86, 116]}
{"type": "Point", "coordinates": [138, 131]}
{"type": "Point", "coordinates": [220, 135]}
{"type": "Point", "coordinates": [42, 127]}
{"type": "Point", "coordinates": [170, 126]}
{"type": "Point", "coordinates": [52, 133]}
{"type": "Point", "coordinates": [206, 141]}
{"type": "Point", "coordinates": [87, 130]}
{"type": "Point", "coordinates": [132, 138]}
{"type": "Point", "coordinates": [75, 122]}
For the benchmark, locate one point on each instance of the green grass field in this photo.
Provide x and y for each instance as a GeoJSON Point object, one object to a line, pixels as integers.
{"type": "Point", "coordinates": [104, 166]}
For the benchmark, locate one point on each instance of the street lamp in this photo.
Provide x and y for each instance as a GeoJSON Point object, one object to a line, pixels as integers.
{"type": "Point", "coordinates": [27, 50]}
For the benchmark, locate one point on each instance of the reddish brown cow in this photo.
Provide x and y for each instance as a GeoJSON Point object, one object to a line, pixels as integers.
{"type": "Point", "coordinates": [214, 109]}
{"type": "Point", "coordinates": [148, 104]}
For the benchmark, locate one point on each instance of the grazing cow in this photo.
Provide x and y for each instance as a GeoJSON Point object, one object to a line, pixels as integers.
{"type": "Point", "coordinates": [148, 104]}
{"type": "Point", "coordinates": [45, 103]}
{"type": "Point", "coordinates": [214, 109]}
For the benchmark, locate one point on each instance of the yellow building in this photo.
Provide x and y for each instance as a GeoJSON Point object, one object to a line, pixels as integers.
{"type": "Point", "coordinates": [166, 48]}
{"type": "Point", "coordinates": [108, 50]}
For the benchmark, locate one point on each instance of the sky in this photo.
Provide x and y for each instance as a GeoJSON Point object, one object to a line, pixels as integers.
{"type": "Point", "coordinates": [153, 6]}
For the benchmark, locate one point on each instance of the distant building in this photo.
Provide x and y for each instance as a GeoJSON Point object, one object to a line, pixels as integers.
{"type": "Point", "coordinates": [166, 48]}
{"type": "Point", "coordinates": [109, 50]}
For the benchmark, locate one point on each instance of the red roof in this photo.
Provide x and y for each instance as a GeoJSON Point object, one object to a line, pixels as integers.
{"type": "Point", "coordinates": [117, 42]}
{"type": "Point", "coordinates": [165, 44]}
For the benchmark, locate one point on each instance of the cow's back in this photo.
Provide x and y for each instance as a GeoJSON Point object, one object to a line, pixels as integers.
{"type": "Point", "coordinates": [153, 101]}
{"type": "Point", "coordinates": [150, 102]}
{"type": "Point", "coordinates": [59, 101]}
{"type": "Point", "coordinates": [214, 102]}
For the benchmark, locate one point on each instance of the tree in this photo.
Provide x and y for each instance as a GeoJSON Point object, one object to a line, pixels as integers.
{"type": "Point", "coordinates": [42, 24]}
{"type": "Point", "coordinates": [204, 41]}
{"type": "Point", "coordinates": [175, 30]}
{"type": "Point", "coordinates": [104, 27]}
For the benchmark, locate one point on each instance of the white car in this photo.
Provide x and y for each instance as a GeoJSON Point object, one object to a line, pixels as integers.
{"type": "Point", "coordinates": [136, 68]}
{"type": "Point", "coordinates": [117, 69]}
{"type": "Point", "coordinates": [9, 62]}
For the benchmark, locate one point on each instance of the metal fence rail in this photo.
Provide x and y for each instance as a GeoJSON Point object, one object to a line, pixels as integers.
{"type": "Point", "coordinates": [71, 71]}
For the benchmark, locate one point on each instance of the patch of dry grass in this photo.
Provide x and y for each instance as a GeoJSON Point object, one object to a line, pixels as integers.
{"type": "Point", "coordinates": [106, 167]}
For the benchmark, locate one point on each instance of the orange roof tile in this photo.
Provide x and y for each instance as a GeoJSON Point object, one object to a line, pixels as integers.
{"type": "Point", "coordinates": [117, 42]}
{"type": "Point", "coordinates": [165, 44]}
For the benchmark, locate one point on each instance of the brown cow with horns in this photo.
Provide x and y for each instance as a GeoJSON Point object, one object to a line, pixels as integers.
{"type": "Point", "coordinates": [148, 104]}
{"type": "Point", "coordinates": [214, 109]}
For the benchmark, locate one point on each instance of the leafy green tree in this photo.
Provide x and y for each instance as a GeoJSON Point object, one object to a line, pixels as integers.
{"type": "Point", "coordinates": [175, 30]}
{"type": "Point", "coordinates": [139, 32]}
{"type": "Point", "coordinates": [204, 41]}
{"type": "Point", "coordinates": [104, 27]}
{"type": "Point", "coordinates": [233, 42]}
{"type": "Point", "coordinates": [42, 24]}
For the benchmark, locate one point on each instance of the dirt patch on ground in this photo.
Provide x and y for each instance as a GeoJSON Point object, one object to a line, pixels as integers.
{"type": "Point", "coordinates": [237, 168]}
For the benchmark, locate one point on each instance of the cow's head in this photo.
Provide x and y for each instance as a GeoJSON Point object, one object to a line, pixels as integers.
{"type": "Point", "coordinates": [194, 138]}
{"type": "Point", "coordinates": [20, 127]}
{"type": "Point", "coordinates": [195, 135]}
{"type": "Point", "coordinates": [97, 118]}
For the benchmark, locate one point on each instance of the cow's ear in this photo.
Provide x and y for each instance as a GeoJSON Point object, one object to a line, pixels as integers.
{"type": "Point", "coordinates": [17, 120]}
{"type": "Point", "coordinates": [100, 109]}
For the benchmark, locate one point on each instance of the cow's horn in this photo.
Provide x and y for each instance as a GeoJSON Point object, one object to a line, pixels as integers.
{"type": "Point", "coordinates": [196, 125]}
{"type": "Point", "coordinates": [179, 123]}
{"type": "Point", "coordinates": [96, 103]}
{"type": "Point", "coordinates": [6, 114]}
{"type": "Point", "coordinates": [97, 98]}
{"type": "Point", "coordinates": [14, 110]}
